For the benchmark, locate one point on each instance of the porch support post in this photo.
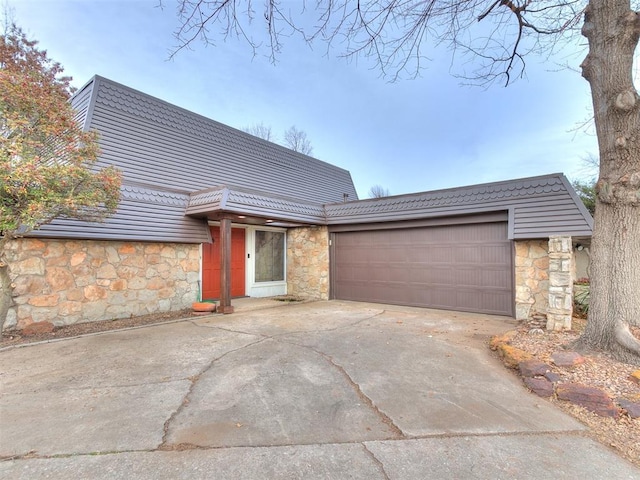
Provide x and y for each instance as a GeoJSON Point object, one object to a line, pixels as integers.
{"type": "Point", "coordinates": [225, 266]}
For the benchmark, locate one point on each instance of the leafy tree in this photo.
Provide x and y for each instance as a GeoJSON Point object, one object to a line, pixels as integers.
{"type": "Point", "coordinates": [378, 191]}
{"type": "Point", "coordinates": [587, 193]}
{"type": "Point", "coordinates": [497, 36]}
{"type": "Point", "coordinates": [297, 141]}
{"type": "Point", "coordinates": [47, 162]}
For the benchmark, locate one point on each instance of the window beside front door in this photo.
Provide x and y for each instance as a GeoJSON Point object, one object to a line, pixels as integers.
{"type": "Point", "coordinates": [270, 256]}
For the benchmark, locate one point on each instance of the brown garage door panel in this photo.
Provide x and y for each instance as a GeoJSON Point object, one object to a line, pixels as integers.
{"type": "Point", "coordinates": [459, 267]}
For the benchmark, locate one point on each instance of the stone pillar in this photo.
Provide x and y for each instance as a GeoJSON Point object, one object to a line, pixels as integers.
{"type": "Point", "coordinates": [560, 283]}
{"type": "Point", "coordinates": [308, 262]}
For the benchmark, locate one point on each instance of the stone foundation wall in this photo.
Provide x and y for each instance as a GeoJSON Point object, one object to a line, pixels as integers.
{"type": "Point", "coordinates": [308, 262]}
{"type": "Point", "coordinates": [532, 278]}
{"type": "Point", "coordinates": [70, 281]}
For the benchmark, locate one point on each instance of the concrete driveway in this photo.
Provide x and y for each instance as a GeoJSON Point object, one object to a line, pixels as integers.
{"type": "Point", "coordinates": [311, 391]}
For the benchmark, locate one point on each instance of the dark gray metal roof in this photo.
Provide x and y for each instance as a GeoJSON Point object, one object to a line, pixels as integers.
{"type": "Point", "coordinates": [166, 150]}
{"type": "Point", "coordinates": [164, 145]}
{"type": "Point", "coordinates": [537, 206]}
{"type": "Point", "coordinates": [179, 168]}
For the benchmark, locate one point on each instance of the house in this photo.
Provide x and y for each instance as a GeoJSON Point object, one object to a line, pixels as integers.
{"type": "Point", "coordinates": [207, 210]}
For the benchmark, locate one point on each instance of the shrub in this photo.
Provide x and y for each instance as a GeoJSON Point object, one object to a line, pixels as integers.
{"type": "Point", "coordinates": [581, 301]}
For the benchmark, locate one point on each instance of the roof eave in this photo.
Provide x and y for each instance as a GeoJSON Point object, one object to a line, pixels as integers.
{"type": "Point", "coordinates": [220, 201]}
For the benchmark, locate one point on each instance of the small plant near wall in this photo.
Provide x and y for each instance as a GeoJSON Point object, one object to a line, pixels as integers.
{"type": "Point", "coordinates": [581, 297]}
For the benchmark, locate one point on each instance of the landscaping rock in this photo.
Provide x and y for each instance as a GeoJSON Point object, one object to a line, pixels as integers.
{"type": "Point", "coordinates": [539, 385]}
{"type": "Point", "coordinates": [632, 408]}
{"type": "Point", "coordinates": [635, 376]}
{"type": "Point", "coordinates": [591, 398]}
{"type": "Point", "coordinates": [552, 377]}
{"type": "Point", "coordinates": [533, 368]}
{"type": "Point", "coordinates": [567, 359]}
{"type": "Point", "coordinates": [37, 328]}
{"type": "Point", "coordinates": [512, 356]}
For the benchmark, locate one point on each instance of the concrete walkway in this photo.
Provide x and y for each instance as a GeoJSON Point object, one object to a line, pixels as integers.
{"type": "Point", "coordinates": [310, 391]}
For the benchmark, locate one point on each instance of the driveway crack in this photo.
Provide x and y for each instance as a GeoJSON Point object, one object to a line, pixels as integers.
{"type": "Point", "coordinates": [375, 459]}
{"type": "Point", "coordinates": [218, 327]}
{"type": "Point", "coordinates": [194, 380]}
{"type": "Point", "coordinates": [293, 332]}
{"type": "Point", "coordinates": [339, 327]}
{"type": "Point", "coordinates": [397, 432]}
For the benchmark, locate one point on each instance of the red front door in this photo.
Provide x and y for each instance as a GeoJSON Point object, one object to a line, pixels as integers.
{"type": "Point", "coordinates": [211, 265]}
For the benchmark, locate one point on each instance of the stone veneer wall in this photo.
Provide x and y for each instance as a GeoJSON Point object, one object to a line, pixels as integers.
{"type": "Point", "coordinates": [532, 278]}
{"type": "Point", "coordinates": [70, 281]}
{"type": "Point", "coordinates": [308, 262]}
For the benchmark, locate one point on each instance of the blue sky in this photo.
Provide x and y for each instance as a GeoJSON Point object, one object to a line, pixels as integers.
{"type": "Point", "coordinates": [408, 136]}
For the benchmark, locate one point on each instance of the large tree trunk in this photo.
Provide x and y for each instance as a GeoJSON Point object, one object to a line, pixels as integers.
{"type": "Point", "coordinates": [613, 29]}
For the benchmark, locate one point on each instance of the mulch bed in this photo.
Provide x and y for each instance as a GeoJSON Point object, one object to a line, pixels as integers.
{"type": "Point", "coordinates": [15, 337]}
{"type": "Point", "coordinates": [599, 370]}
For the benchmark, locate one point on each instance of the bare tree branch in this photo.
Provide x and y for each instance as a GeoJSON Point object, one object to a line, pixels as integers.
{"type": "Point", "coordinates": [261, 130]}
{"type": "Point", "coordinates": [392, 33]}
{"type": "Point", "coordinates": [297, 141]}
{"type": "Point", "coordinates": [378, 191]}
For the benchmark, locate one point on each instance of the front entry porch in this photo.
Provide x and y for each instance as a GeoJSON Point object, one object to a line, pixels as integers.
{"type": "Point", "coordinates": [265, 220]}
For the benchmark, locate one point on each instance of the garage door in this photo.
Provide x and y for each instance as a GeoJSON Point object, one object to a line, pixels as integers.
{"type": "Point", "coordinates": [456, 267]}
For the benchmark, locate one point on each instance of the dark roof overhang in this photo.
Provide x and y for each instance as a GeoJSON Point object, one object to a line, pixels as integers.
{"type": "Point", "coordinates": [252, 207]}
{"type": "Point", "coordinates": [538, 207]}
